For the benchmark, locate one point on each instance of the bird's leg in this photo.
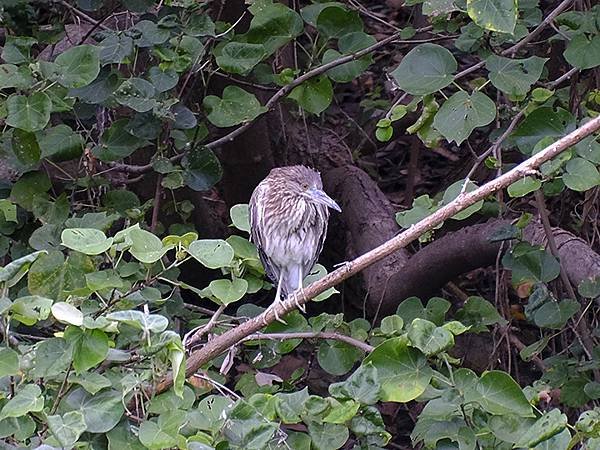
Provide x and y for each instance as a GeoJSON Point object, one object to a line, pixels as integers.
{"type": "Point", "coordinates": [276, 302]}
{"type": "Point", "coordinates": [299, 305]}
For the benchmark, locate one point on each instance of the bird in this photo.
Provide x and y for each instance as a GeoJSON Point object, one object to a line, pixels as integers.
{"type": "Point", "coordinates": [289, 213]}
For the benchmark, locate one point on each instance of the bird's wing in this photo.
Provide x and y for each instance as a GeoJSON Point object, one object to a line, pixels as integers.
{"type": "Point", "coordinates": [321, 219]}
{"type": "Point", "coordinates": [257, 225]}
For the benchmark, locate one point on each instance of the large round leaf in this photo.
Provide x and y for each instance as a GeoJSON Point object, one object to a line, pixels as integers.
{"type": "Point", "coordinates": [240, 57]}
{"type": "Point", "coordinates": [202, 169]}
{"type": "Point", "coordinates": [213, 253]}
{"type": "Point", "coordinates": [494, 15]}
{"type": "Point", "coordinates": [136, 93]}
{"type": "Point", "coordinates": [425, 69]}
{"type": "Point", "coordinates": [403, 371]}
{"type": "Point", "coordinates": [235, 107]}
{"type": "Point", "coordinates": [101, 411]}
{"type": "Point", "coordinates": [28, 113]}
{"type": "Point", "coordinates": [78, 66]}
{"type": "Point", "coordinates": [88, 241]}
{"type": "Point", "coordinates": [462, 113]}
{"type": "Point", "coordinates": [313, 95]}
{"type": "Point", "coordinates": [583, 52]}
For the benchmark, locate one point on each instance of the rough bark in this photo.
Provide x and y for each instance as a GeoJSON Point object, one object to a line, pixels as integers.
{"type": "Point", "coordinates": [470, 248]}
{"type": "Point", "coordinates": [368, 221]}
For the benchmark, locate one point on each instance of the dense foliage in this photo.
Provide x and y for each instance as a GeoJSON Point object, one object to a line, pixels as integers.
{"type": "Point", "coordinates": [98, 95]}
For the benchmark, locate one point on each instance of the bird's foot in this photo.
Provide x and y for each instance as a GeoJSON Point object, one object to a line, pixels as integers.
{"type": "Point", "coordinates": [277, 318]}
{"type": "Point", "coordinates": [299, 305]}
{"type": "Point", "coordinates": [345, 265]}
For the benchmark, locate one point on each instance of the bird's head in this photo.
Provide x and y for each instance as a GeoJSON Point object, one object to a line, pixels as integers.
{"type": "Point", "coordinates": [306, 183]}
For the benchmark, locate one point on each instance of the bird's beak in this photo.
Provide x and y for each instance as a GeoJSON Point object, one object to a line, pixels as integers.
{"type": "Point", "coordinates": [320, 197]}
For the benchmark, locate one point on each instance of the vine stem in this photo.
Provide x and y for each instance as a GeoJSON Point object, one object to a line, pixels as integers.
{"type": "Point", "coordinates": [220, 344]}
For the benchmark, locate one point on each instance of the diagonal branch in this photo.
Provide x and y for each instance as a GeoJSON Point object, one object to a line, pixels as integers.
{"type": "Point", "coordinates": [223, 342]}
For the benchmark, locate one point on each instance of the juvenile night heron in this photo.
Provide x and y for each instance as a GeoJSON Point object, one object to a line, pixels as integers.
{"type": "Point", "coordinates": [288, 224]}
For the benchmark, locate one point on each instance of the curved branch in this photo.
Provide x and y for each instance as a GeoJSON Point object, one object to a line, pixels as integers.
{"type": "Point", "coordinates": [223, 342]}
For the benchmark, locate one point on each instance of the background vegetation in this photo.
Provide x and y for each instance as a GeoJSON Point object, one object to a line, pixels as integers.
{"type": "Point", "coordinates": [130, 297]}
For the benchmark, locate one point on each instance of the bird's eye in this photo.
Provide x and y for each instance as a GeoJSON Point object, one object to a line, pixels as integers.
{"type": "Point", "coordinates": [304, 185]}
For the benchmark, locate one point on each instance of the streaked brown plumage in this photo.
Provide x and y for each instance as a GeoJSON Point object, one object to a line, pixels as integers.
{"type": "Point", "coordinates": [288, 223]}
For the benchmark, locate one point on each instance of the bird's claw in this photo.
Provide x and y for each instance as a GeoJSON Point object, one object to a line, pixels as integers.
{"type": "Point", "coordinates": [344, 264]}
{"type": "Point", "coordinates": [299, 305]}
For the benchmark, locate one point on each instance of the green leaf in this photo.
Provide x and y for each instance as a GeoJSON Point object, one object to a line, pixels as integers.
{"type": "Point", "coordinates": [240, 57]}
{"type": "Point", "coordinates": [532, 350]}
{"type": "Point", "coordinates": [499, 394]}
{"type": "Point", "coordinates": [235, 107]}
{"type": "Point", "coordinates": [67, 429]}
{"type": "Point", "coordinates": [336, 21]}
{"type": "Point", "coordinates": [550, 424]}
{"type": "Point", "coordinates": [52, 357]}
{"type": "Point", "coordinates": [542, 122]}
{"type": "Point", "coordinates": [154, 323]}
{"type": "Point", "coordinates": [289, 405]}
{"type": "Point", "coordinates": [429, 338]}
{"type": "Point", "coordinates": [92, 382]}
{"type": "Point", "coordinates": [494, 15]}
{"type": "Point", "coordinates": [581, 175]}
{"type": "Point", "coordinates": [273, 26]}
{"type": "Point", "coordinates": [202, 169]}
{"type": "Point", "coordinates": [28, 187]}
{"type": "Point", "coordinates": [403, 371]}
{"type": "Point", "coordinates": [462, 113]}
{"type": "Point", "coordinates": [137, 94]}
{"type": "Point", "coordinates": [227, 291]}
{"type": "Point", "coordinates": [88, 241]}
{"type": "Point", "coordinates": [28, 113]}
{"type": "Point", "coordinates": [50, 275]}
{"type": "Point", "coordinates": [99, 90]}
{"type": "Point", "coordinates": [327, 436]}
{"type": "Point", "coordinates": [90, 347]}
{"type": "Point", "coordinates": [524, 186]}
{"type": "Point", "coordinates": [529, 263]}
{"type": "Point", "coordinates": [66, 313]}
{"type": "Point", "coordinates": [313, 95]}
{"type": "Point", "coordinates": [117, 142]}
{"type": "Point", "coordinates": [115, 48]}
{"type": "Point", "coordinates": [589, 288]}
{"type": "Point", "coordinates": [514, 76]}
{"type": "Point", "coordinates": [453, 191]}
{"type": "Point", "coordinates": [162, 80]}
{"type": "Point", "coordinates": [245, 429]}
{"type": "Point", "coordinates": [25, 147]}
{"type": "Point", "coordinates": [103, 279]}
{"type": "Point", "coordinates": [146, 247]}
{"type": "Point", "coordinates": [78, 66]}
{"type": "Point", "coordinates": [583, 52]}
{"type": "Point", "coordinates": [240, 218]}
{"type": "Point", "coordinates": [336, 357]}
{"type": "Point", "coordinates": [60, 143]}
{"type": "Point", "coordinates": [9, 362]}
{"type": "Point", "coordinates": [15, 270]}
{"type": "Point", "coordinates": [9, 210]}
{"type": "Point", "coordinates": [28, 399]}
{"type": "Point", "coordinates": [348, 44]}
{"type": "Point", "coordinates": [363, 386]}
{"type": "Point", "coordinates": [209, 415]}
{"type": "Point", "coordinates": [478, 311]}
{"type": "Point", "coordinates": [212, 253]}
{"type": "Point", "coordinates": [152, 34]}
{"type": "Point", "coordinates": [30, 309]}
{"type": "Point", "coordinates": [101, 412]}
{"type": "Point", "coordinates": [17, 49]}
{"type": "Point", "coordinates": [427, 68]}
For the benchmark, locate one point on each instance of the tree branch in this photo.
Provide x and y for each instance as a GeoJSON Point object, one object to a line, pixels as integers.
{"type": "Point", "coordinates": [311, 335]}
{"type": "Point", "coordinates": [221, 343]}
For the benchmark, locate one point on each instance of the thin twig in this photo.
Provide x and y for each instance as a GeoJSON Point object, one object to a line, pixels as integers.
{"type": "Point", "coordinates": [311, 335]}
{"type": "Point", "coordinates": [564, 77]}
{"type": "Point", "coordinates": [221, 343]}
{"type": "Point", "coordinates": [194, 336]}
{"type": "Point", "coordinates": [84, 15]}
